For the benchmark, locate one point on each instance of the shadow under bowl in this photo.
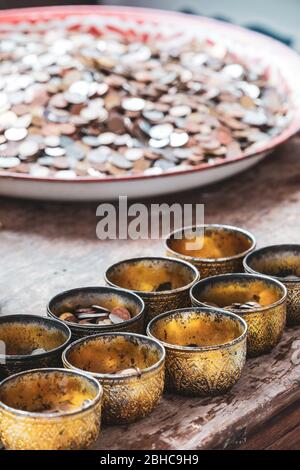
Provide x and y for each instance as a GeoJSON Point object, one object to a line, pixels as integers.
{"type": "Point", "coordinates": [265, 323]}
{"type": "Point", "coordinates": [281, 262]}
{"type": "Point", "coordinates": [212, 248]}
{"type": "Point", "coordinates": [107, 297]}
{"type": "Point", "coordinates": [49, 409]}
{"type": "Point", "coordinates": [31, 342]}
{"type": "Point", "coordinates": [163, 283]}
{"type": "Point", "coordinates": [128, 397]}
{"type": "Point", "coordinates": [205, 349]}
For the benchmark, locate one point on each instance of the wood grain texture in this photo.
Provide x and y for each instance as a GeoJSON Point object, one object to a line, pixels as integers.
{"type": "Point", "coordinates": [49, 247]}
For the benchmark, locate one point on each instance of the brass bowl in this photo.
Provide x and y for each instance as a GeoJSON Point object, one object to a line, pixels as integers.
{"type": "Point", "coordinates": [21, 334]}
{"type": "Point", "coordinates": [280, 261]}
{"type": "Point", "coordinates": [144, 275]}
{"type": "Point", "coordinates": [221, 248]}
{"type": "Point", "coordinates": [107, 297]}
{"type": "Point", "coordinates": [127, 397]}
{"type": "Point", "coordinates": [265, 324]}
{"type": "Point", "coordinates": [49, 409]}
{"type": "Point", "coordinates": [205, 349]}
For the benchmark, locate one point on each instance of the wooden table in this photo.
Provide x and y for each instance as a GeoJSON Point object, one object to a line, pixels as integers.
{"type": "Point", "coordinates": [46, 248]}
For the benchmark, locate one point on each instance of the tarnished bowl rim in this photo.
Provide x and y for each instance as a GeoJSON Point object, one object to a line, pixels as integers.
{"type": "Point", "coordinates": [196, 349]}
{"type": "Point", "coordinates": [261, 277]}
{"type": "Point", "coordinates": [117, 377]}
{"type": "Point", "coordinates": [212, 260]}
{"type": "Point", "coordinates": [161, 258]}
{"type": "Point", "coordinates": [113, 290]}
{"type": "Point", "coordinates": [27, 357]}
{"type": "Point", "coordinates": [53, 416]}
{"type": "Point", "coordinates": [285, 246]}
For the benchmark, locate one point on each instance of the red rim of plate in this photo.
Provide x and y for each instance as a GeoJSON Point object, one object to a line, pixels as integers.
{"type": "Point", "coordinates": [143, 15]}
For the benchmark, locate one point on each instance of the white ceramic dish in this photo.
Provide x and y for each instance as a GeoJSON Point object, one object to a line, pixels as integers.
{"type": "Point", "coordinates": [283, 64]}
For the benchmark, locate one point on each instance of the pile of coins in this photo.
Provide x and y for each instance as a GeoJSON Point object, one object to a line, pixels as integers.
{"type": "Point", "coordinates": [37, 351]}
{"type": "Point", "coordinates": [74, 103]}
{"type": "Point", "coordinates": [291, 277]}
{"type": "Point", "coordinates": [95, 314]}
{"type": "Point", "coordinates": [237, 306]}
{"type": "Point", "coordinates": [130, 371]}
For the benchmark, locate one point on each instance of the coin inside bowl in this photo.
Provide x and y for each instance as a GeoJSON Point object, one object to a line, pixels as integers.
{"type": "Point", "coordinates": [205, 349]}
{"type": "Point", "coordinates": [236, 291]}
{"type": "Point", "coordinates": [130, 368]}
{"type": "Point", "coordinates": [259, 299]}
{"type": "Point", "coordinates": [88, 310]}
{"type": "Point", "coordinates": [44, 409]}
{"type": "Point", "coordinates": [31, 341]}
{"type": "Point", "coordinates": [283, 263]}
{"type": "Point", "coordinates": [113, 354]}
{"type": "Point", "coordinates": [212, 248]}
{"type": "Point", "coordinates": [163, 283]}
{"type": "Point", "coordinates": [151, 274]}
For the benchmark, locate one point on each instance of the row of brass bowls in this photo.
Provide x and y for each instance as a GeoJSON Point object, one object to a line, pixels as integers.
{"type": "Point", "coordinates": [205, 349]}
{"type": "Point", "coordinates": [211, 364]}
{"type": "Point", "coordinates": [213, 249]}
{"type": "Point", "coordinates": [21, 334]}
{"type": "Point", "coordinates": [107, 297]}
{"type": "Point", "coordinates": [265, 324]}
{"type": "Point", "coordinates": [143, 275]}
{"type": "Point", "coordinates": [126, 397]}
{"type": "Point", "coordinates": [279, 261]}
{"type": "Point", "coordinates": [24, 396]}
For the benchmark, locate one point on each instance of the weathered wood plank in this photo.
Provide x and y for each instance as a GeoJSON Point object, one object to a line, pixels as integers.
{"type": "Point", "coordinates": [273, 431]}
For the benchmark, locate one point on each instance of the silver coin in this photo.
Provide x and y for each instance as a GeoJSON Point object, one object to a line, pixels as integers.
{"type": "Point", "coordinates": [9, 162]}
{"type": "Point", "coordinates": [134, 154]}
{"type": "Point", "coordinates": [55, 151]}
{"type": "Point", "coordinates": [107, 138]}
{"type": "Point", "coordinates": [65, 174]}
{"type": "Point", "coordinates": [180, 111]}
{"type": "Point", "coordinates": [52, 141]}
{"type": "Point", "coordinates": [120, 161]}
{"type": "Point", "coordinates": [91, 140]}
{"type": "Point", "coordinates": [158, 143]}
{"type": "Point", "coordinates": [133, 104]}
{"type": "Point", "coordinates": [28, 148]}
{"type": "Point", "coordinates": [99, 155]}
{"type": "Point", "coordinates": [45, 161]}
{"type": "Point", "coordinates": [161, 131]}
{"type": "Point", "coordinates": [74, 98]}
{"type": "Point", "coordinates": [233, 70]}
{"type": "Point", "coordinates": [8, 119]}
{"type": "Point", "coordinates": [39, 171]}
{"type": "Point", "coordinates": [80, 88]}
{"type": "Point", "coordinates": [178, 139]}
{"type": "Point", "coordinates": [153, 115]}
{"type": "Point", "coordinates": [15, 134]}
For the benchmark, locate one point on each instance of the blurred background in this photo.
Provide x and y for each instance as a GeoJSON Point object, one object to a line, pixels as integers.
{"type": "Point", "coordinates": [278, 18]}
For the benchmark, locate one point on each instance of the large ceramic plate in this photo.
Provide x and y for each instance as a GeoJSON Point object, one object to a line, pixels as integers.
{"type": "Point", "coordinates": [282, 61]}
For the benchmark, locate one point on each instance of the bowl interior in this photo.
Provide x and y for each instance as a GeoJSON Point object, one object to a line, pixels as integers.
{"type": "Point", "coordinates": [196, 328]}
{"type": "Point", "coordinates": [276, 261]}
{"type": "Point", "coordinates": [86, 297]}
{"type": "Point", "coordinates": [150, 275]}
{"type": "Point", "coordinates": [109, 354]}
{"type": "Point", "coordinates": [235, 289]}
{"type": "Point", "coordinates": [210, 243]}
{"type": "Point", "coordinates": [23, 337]}
{"type": "Point", "coordinates": [47, 392]}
